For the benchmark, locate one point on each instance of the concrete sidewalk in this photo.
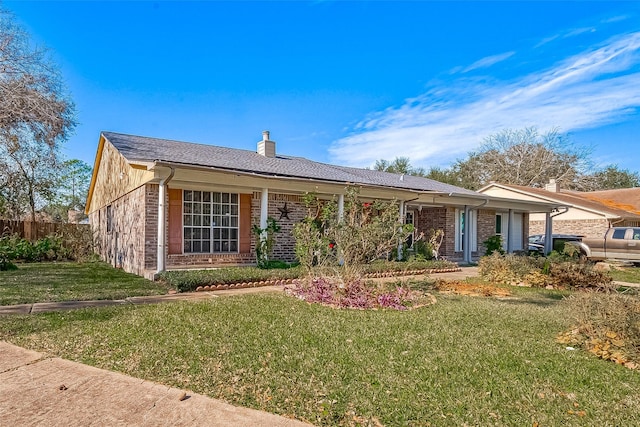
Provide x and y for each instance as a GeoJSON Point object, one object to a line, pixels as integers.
{"type": "Point", "coordinates": [37, 390]}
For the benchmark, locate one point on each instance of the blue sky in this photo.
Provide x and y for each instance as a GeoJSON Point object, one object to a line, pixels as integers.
{"type": "Point", "coordinates": [348, 82]}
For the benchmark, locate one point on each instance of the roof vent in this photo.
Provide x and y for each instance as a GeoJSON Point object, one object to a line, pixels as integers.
{"type": "Point", "coordinates": [266, 147]}
{"type": "Point", "coordinates": [552, 186]}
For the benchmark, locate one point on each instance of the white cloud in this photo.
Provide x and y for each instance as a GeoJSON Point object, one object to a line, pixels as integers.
{"type": "Point", "coordinates": [488, 61]}
{"type": "Point", "coordinates": [596, 87]}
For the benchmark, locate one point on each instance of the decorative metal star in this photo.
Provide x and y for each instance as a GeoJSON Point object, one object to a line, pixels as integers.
{"type": "Point", "coordinates": [284, 211]}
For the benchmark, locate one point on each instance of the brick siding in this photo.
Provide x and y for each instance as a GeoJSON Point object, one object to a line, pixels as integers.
{"type": "Point", "coordinates": [284, 248]}
{"type": "Point", "coordinates": [590, 228]}
{"type": "Point", "coordinates": [124, 245]}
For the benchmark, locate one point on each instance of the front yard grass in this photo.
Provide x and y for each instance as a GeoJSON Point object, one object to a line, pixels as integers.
{"type": "Point", "coordinates": [71, 281]}
{"type": "Point", "coordinates": [462, 361]}
{"type": "Point", "coordinates": [626, 274]}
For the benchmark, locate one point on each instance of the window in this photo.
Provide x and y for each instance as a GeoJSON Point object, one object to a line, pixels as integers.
{"type": "Point", "coordinates": [498, 224]}
{"type": "Point", "coordinates": [619, 233]}
{"type": "Point", "coordinates": [408, 219]}
{"type": "Point", "coordinates": [109, 219]}
{"type": "Point", "coordinates": [210, 221]}
{"type": "Point", "coordinates": [460, 229]}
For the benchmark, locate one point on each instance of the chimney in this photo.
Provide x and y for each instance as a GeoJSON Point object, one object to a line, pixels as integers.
{"type": "Point", "coordinates": [266, 147]}
{"type": "Point", "coordinates": [552, 186]}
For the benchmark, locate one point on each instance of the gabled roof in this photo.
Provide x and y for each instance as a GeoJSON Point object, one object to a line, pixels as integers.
{"type": "Point", "coordinates": [140, 149]}
{"type": "Point", "coordinates": [612, 203]}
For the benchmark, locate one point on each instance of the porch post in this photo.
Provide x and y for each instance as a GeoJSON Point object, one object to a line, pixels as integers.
{"type": "Point", "coordinates": [466, 244]}
{"type": "Point", "coordinates": [510, 233]}
{"type": "Point", "coordinates": [161, 228]}
{"type": "Point", "coordinates": [162, 194]}
{"type": "Point", "coordinates": [264, 209]}
{"type": "Point", "coordinates": [401, 221]}
{"type": "Point", "coordinates": [548, 231]}
{"type": "Point", "coordinates": [340, 207]}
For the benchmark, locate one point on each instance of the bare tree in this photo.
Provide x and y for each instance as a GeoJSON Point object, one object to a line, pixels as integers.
{"type": "Point", "coordinates": [526, 157]}
{"type": "Point", "coordinates": [36, 117]}
{"type": "Point", "coordinates": [32, 98]}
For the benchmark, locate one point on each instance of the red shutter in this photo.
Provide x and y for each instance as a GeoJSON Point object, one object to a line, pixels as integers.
{"type": "Point", "coordinates": [175, 221]}
{"type": "Point", "coordinates": [245, 223]}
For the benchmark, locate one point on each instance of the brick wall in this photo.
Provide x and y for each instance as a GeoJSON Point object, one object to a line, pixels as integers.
{"type": "Point", "coordinates": [124, 245]}
{"type": "Point", "coordinates": [590, 228]}
{"type": "Point", "coordinates": [486, 228]}
{"type": "Point", "coordinates": [284, 248]}
{"type": "Point", "coordinates": [438, 219]}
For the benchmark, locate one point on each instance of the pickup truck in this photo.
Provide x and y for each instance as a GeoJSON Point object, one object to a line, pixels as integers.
{"type": "Point", "coordinates": [621, 243]}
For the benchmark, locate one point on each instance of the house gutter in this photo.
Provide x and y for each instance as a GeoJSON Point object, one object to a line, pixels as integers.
{"type": "Point", "coordinates": [162, 229]}
{"type": "Point", "coordinates": [466, 253]}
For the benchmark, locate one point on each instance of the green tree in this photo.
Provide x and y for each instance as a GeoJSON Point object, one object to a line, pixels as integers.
{"type": "Point", "coordinates": [612, 177]}
{"type": "Point", "coordinates": [399, 165]}
{"type": "Point", "coordinates": [28, 176]}
{"type": "Point", "coordinates": [71, 188]}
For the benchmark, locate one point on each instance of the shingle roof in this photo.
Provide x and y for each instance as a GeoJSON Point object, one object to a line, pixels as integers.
{"type": "Point", "coordinates": [145, 149]}
{"type": "Point", "coordinates": [596, 200]}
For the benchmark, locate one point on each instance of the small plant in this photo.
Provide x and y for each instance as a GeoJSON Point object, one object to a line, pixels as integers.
{"type": "Point", "coordinates": [493, 244]}
{"type": "Point", "coordinates": [356, 294]}
{"type": "Point", "coordinates": [265, 241]}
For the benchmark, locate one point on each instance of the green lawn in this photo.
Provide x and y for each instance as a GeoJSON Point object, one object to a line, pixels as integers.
{"type": "Point", "coordinates": [462, 361]}
{"type": "Point", "coordinates": [626, 274]}
{"type": "Point", "coordinates": [68, 281]}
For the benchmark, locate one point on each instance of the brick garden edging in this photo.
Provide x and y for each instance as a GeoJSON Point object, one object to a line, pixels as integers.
{"type": "Point", "coordinates": [282, 282]}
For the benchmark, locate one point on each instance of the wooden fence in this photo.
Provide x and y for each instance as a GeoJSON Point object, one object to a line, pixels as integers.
{"type": "Point", "coordinates": [33, 231]}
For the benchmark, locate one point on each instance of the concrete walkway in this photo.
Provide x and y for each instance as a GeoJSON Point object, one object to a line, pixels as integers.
{"type": "Point", "coordinates": [41, 391]}
{"type": "Point", "coordinates": [43, 307]}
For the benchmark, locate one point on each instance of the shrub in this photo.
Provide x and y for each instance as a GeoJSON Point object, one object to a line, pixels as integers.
{"type": "Point", "coordinates": [69, 243]}
{"type": "Point", "coordinates": [265, 241]}
{"type": "Point", "coordinates": [355, 294]}
{"type": "Point", "coordinates": [189, 280]}
{"type": "Point", "coordinates": [493, 244]}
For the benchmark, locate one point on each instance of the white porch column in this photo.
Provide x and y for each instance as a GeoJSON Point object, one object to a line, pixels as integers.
{"type": "Point", "coordinates": [162, 222]}
{"type": "Point", "coordinates": [510, 232]}
{"type": "Point", "coordinates": [401, 221]}
{"type": "Point", "coordinates": [264, 210]}
{"type": "Point", "coordinates": [548, 231]}
{"type": "Point", "coordinates": [340, 207]}
{"type": "Point", "coordinates": [161, 227]}
{"type": "Point", "coordinates": [466, 243]}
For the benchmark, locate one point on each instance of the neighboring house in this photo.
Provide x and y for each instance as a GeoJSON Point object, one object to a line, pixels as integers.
{"type": "Point", "coordinates": [157, 204]}
{"type": "Point", "coordinates": [587, 214]}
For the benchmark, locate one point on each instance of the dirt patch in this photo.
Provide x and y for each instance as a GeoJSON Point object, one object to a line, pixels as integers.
{"type": "Point", "coordinates": [470, 289]}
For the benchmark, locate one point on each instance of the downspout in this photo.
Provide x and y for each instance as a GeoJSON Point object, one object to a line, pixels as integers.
{"type": "Point", "coordinates": [162, 235]}
{"type": "Point", "coordinates": [466, 254]}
